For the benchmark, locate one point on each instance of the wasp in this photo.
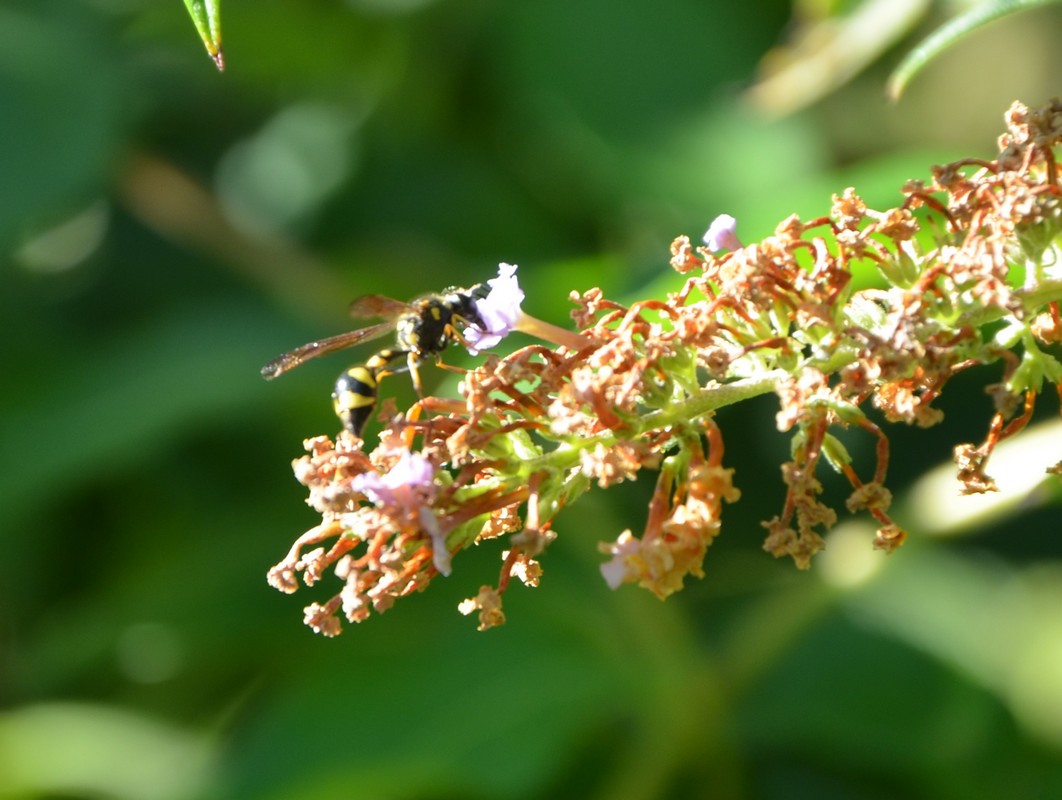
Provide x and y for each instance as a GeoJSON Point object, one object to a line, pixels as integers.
{"type": "Point", "coordinates": [423, 328]}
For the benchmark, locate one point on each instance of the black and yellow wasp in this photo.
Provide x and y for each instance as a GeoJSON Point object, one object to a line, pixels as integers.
{"type": "Point", "coordinates": [424, 328]}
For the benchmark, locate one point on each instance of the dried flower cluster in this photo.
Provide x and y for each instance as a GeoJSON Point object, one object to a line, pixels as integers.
{"type": "Point", "coordinates": [971, 267]}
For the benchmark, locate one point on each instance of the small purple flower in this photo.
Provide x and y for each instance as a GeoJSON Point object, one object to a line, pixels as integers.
{"type": "Point", "coordinates": [499, 310]}
{"type": "Point", "coordinates": [721, 234]}
{"type": "Point", "coordinates": [407, 484]}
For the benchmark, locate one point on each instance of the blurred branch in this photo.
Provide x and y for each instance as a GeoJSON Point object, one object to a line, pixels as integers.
{"type": "Point", "coordinates": [168, 201]}
{"type": "Point", "coordinates": [825, 53]}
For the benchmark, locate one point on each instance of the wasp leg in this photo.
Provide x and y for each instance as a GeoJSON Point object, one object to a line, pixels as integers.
{"type": "Point", "coordinates": [354, 396]}
{"type": "Point", "coordinates": [412, 363]}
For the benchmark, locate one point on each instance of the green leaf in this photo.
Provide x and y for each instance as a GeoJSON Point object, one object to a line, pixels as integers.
{"type": "Point", "coordinates": [49, 174]}
{"type": "Point", "coordinates": [134, 388]}
{"type": "Point", "coordinates": [951, 33]}
{"type": "Point", "coordinates": [206, 14]}
{"type": "Point", "coordinates": [83, 750]}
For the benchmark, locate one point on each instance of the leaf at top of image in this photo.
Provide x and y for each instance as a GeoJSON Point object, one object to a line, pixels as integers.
{"type": "Point", "coordinates": [951, 33]}
{"type": "Point", "coordinates": [206, 14]}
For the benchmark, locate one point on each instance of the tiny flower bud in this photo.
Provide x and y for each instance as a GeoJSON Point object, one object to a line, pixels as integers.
{"type": "Point", "coordinates": [721, 234]}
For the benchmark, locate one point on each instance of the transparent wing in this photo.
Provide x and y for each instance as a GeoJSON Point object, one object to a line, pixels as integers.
{"type": "Point", "coordinates": [292, 359]}
{"type": "Point", "coordinates": [377, 305]}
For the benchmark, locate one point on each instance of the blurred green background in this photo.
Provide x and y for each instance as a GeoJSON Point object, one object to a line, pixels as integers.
{"type": "Point", "coordinates": [166, 229]}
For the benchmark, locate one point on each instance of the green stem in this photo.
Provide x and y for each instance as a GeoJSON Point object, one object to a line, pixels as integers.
{"type": "Point", "coordinates": [716, 395]}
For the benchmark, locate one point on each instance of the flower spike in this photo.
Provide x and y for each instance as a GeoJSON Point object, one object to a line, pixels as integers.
{"type": "Point", "coordinates": [635, 388]}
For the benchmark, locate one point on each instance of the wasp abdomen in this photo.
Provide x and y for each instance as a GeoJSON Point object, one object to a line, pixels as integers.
{"type": "Point", "coordinates": [355, 394]}
{"type": "Point", "coordinates": [354, 397]}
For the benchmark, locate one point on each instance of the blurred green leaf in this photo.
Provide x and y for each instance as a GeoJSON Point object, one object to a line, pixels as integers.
{"type": "Point", "coordinates": [132, 393]}
{"type": "Point", "coordinates": [206, 14]}
{"type": "Point", "coordinates": [1020, 468]}
{"type": "Point", "coordinates": [63, 117]}
{"type": "Point", "coordinates": [82, 750]}
{"type": "Point", "coordinates": [994, 624]}
{"type": "Point", "coordinates": [951, 34]}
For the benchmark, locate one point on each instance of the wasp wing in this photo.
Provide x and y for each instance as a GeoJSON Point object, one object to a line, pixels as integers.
{"type": "Point", "coordinates": [292, 359]}
{"type": "Point", "coordinates": [378, 305]}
